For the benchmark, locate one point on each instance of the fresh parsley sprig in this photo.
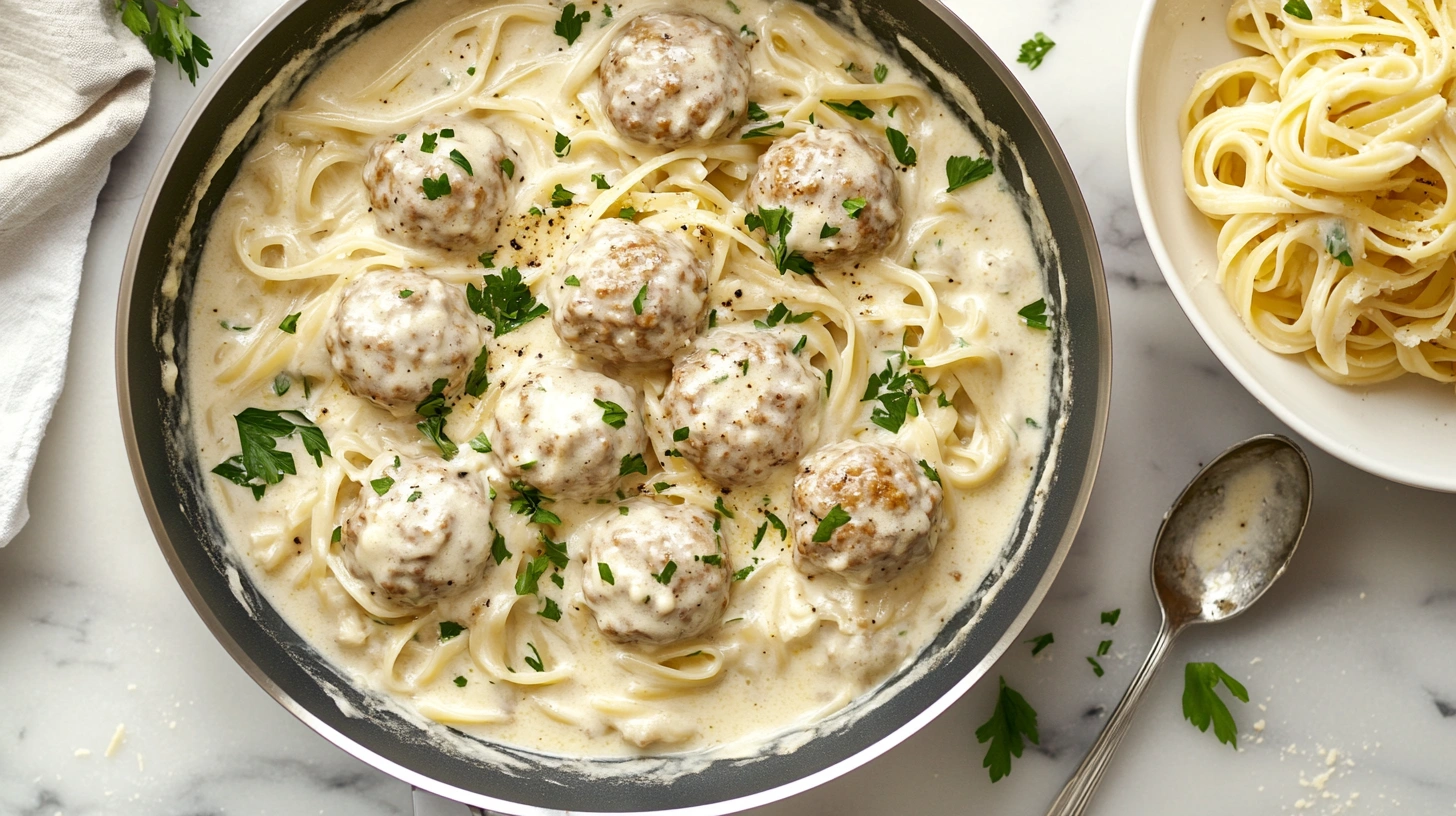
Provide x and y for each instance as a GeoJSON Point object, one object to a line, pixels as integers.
{"type": "Point", "coordinates": [529, 502]}
{"type": "Point", "coordinates": [1202, 705]}
{"type": "Point", "coordinates": [854, 110]}
{"type": "Point", "coordinates": [569, 26]}
{"type": "Point", "coordinates": [962, 170]}
{"type": "Point", "coordinates": [434, 410]}
{"type": "Point", "coordinates": [904, 153]}
{"type": "Point", "coordinates": [261, 463]}
{"type": "Point", "coordinates": [893, 388]}
{"type": "Point", "coordinates": [166, 34]}
{"type": "Point", "coordinates": [781, 314]}
{"type": "Point", "coordinates": [505, 301]}
{"type": "Point", "coordinates": [1034, 50]}
{"type": "Point", "coordinates": [776, 224]}
{"type": "Point", "coordinates": [1011, 721]}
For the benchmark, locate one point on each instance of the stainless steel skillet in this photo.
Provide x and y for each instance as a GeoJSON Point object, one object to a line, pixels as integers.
{"type": "Point", "coordinates": [202, 160]}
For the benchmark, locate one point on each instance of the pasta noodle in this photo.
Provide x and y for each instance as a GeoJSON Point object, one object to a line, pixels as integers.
{"type": "Point", "coordinates": [1328, 160]}
{"type": "Point", "coordinates": [296, 229]}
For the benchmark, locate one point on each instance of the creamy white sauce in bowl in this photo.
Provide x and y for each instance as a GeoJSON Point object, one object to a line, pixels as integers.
{"type": "Point", "coordinates": [754, 685]}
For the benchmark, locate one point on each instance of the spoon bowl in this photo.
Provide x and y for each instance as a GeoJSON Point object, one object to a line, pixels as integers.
{"type": "Point", "coordinates": [1226, 539]}
{"type": "Point", "coordinates": [1232, 531]}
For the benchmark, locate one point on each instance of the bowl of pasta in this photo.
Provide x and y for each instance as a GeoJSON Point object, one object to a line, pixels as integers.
{"type": "Point", "coordinates": [1291, 163]}
{"type": "Point", "coordinates": [614, 407]}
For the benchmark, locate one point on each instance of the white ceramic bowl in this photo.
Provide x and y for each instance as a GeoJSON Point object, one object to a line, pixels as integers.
{"type": "Point", "coordinates": [1403, 430]}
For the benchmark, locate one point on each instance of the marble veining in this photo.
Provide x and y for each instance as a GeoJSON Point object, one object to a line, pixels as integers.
{"type": "Point", "coordinates": [1350, 660]}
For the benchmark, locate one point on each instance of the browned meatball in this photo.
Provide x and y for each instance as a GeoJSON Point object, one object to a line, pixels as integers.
{"type": "Point", "coordinates": [749, 405]}
{"type": "Point", "coordinates": [639, 295]}
{"type": "Point", "coordinates": [834, 178]}
{"type": "Point", "coordinates": [468, 154]}
{"type": "Point", "coordinates": [893, 508]}
{"type": "Point", "coordinates": [551, 429]}
{"type": "Point", "coordinates": [655, 574]}
{"type": "Point", "coordinates": [424, 538]}
{"type": "Point", "coordinates": [394, 333]}
{"type": "Point", "coordinates": [670, 79]}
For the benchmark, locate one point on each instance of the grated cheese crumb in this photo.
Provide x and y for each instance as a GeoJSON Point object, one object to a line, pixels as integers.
{"type": "Point", "coordinates": [116, 740]}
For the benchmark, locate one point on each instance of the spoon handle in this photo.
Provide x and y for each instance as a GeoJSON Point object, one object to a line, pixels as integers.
{"type": "Point", "coordinates": [1075, 797]}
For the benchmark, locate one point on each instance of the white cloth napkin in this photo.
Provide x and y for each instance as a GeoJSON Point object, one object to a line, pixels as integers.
{"type": "Point", "coordinates": [74, 86]}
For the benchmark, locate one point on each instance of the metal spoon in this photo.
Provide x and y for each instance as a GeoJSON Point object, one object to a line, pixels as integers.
{"type": "Point", "coordinates": [1222, 544]}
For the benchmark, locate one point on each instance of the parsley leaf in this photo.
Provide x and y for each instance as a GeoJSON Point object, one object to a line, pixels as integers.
{"type": "Point", "coordinates": [1202, 705]}
{"type": "Point", "coordinates": [606, 573]}
{"type": "Point", "coordinates": [1035, 314]}
{"type": "Point", "coordinates": [756, 113]}
{"type": "Point", "coordinates": [881, 71]}
{"type": "Point", "coordinates": [1011, 720]}
{"type": "Point", "coordinates": [743, 573]}
{"type": "Point", "coordinates": [762, 130]}
{"type": "Point", "coordinates": [600, 181]}
{"type": "Point", "coordinates": [665, 577]}
{"type": "Point", "coordinates": [1040, 642]}
{"type": "Point", "coordinates": [1298, 8]}
{"type": "Point", "coordinates": [612, 413]}
{"type": "Point", "coordinates": [528, 502]}
{"type": "Point", "coordinates": [722, 508]}
{"type": "Point", "coordinates": [261, 463]}
{"type": "Point", "coordinates": [459, 158]}
{"type": "Point", "coordinates": [892, 389]}
{"type": "Point", "coordinates": [827, 231]}
{"type": "Point", "coordinates": [477, 380]}
{"type": "Point", "coordinates": [781, 314]}
{"type": "Point", "coordinates": [550, 611]}
{"type": "Point", "coordinates": [962, 170]}
{"type": "Point", "coordinates": [460, 680]}
{"type": "Point", "coordinates": [487, 259]}
{"type": "Point", "coordinates": [434, 410]}
{"type": "Point", "coordinates": [632, 463]}
{"type": "Point", "coordinates": [529, 581]}
{"type": "Point", "coordinates": [508, 168]}
{"type": "Point", "coordinates": [855, 206]}
{"type": "Point", "coordinates": [776, 224]}
{"type": "Point", "coordinates": [481, 443]}
{"type": "Point", "coordinates": [930, 472]}
{"type": "Point", "coordinates": [536, 664]}
{"type": "Point", "coordinates": [1103, 648]}
{"type": "Point", "coordinates": [435, 188]}
{"type": "Point", "coordinates": [1110, 618]}
{"type": "Point", "coordinates": [450, 629]}
{"type": "Point", "coordinates": [854, 110]}
{"type": "Point", "coordinates": [1337, 243]}
{"type": "Point", "coordinates": [572, 280]}
{"type": "Point", "coordinates": [628, 213]}
{"type": "Point", "coordinates": [381, 485]}
{"type": "Point", "coordinates": [833, 520]}
{"type": "Point", "coordinates": [428, 142]}
{"type": "Point", "coordinates": [640, 300]}
{"type": "Point", "coordinates": [904, 153]}
{"type": "Point", "coordinates": [555, 551]}
{"type": "Point", "coordinates": [498, 549]}
{"type": "Point", "coordinates": [281, 384]}
{"type": "Point", "coordinates": [681, 434]}
{"type": "Point", "coordinates": [1096, 667]}
{"type": "Point", "coordinates": [563, 144]}
{"type": "Point", "coordinates": [569, 28]}
{"type": "Point", "coordinates": [561, 197]}
{"type": "Point", "coordinates": [1034, 50]}
{"type": "Point", "coordinates": [778, 524]}
{"type": "Point", "coordinates": [290, 323]}
{"type": "Point", "coordinates": [505, 301]}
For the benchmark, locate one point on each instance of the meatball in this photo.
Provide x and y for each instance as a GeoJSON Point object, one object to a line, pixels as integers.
{"type": "Point", "coordinates": [640, 298]}
{"type": "Point", "coordinates": [424, 538]}
{"type": "Point", "coordinates": [393, 334]}
{"type": "Point", "coordinates": [656, 574]}
{"type": "Point", "coordinates": [830, 178]}
{"type": "Point", "coordinates": [894, 512]}
{"type": "Point", "coordinates": [463, 214]}
{"type": "Point", "coordinates": [670, 79]}
{"type": "Point", "coordinates": [749, 405]}
{"type": "Point", "coordinates": [558, 430]}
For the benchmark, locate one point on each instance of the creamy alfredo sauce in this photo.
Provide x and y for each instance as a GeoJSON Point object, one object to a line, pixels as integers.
{"type": "Point", "coordinates": [296, 227]}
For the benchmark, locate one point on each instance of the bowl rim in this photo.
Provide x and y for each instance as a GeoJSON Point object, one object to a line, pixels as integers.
{"type": "Point", "coordinates": [1060, 169]}
{"type": "Point", "coordinates": [1183, 293]}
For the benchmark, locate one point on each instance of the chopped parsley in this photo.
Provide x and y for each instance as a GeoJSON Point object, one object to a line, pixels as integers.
{"type": "Point", "coordinates": [563, 145]}
{"type": "Point", "coordinates": [780, 314]}
{"type": "Point", "coordinates": [505, 301]}
{"type": "Point", "coordinates": [743, 573]}
{"type": "Point", "coordinates": [1096, 667]}
{"type": "Point", "coordinates": [498, 549]}
{"type": "Point", "coordinates": [400, 137]}
{"type": "Point", "coordinates": [776, 224]}
{"type": "Point", "coordinates": [833, 520]}
{"type": "Point", "coordinates": [1296, 8]}
{"type": "Point", "coordinates": [855, 206]}
{"type": "Point", "coordinates": [881, 71]}
{"type": "Point", "coordinates": [481, 443]}
{"type": "Point", "coordinates": [1337, 243]}
{"type": "Point", "coordinates": [569, 28]}
{"type": "Point", "coordinates": [665, 577]}
{"type": "Point", "coordinates": [627, 213]}
{"type": "Point", "coordinates": [904, 153]}
{"type": "Point", "coordinates": [778, 524]}
{"type": "Point", "coordinates": [612, 413]}
{"type": "Point", "coordinates": [529, 501]}
{"type": "Point", "coordinates": [962, 170]}
{"type": "Point", "coordinates": [405, 293]}
{"type": "Point", "coordinates": [605, 572]}
{"type": "Point", "coordinates": [722, 508]}
{"type": "Point", "coordinates": [427, 142]}
{"type": "Point", "coordinates": [1040, 642]}
{"type": "Point", "coordinates": [470, 71]}
{"type": "Point", "coordinates": [413, 497]}
{"type": "Point", "coordinates": [854, 110]}
{"type": "Point", "coordinates": [508, 169]}
{"type": "Point", "coordinates": [1032, 423]}
{"type": "Point", "coordinates": [290, 323]}
{"type": "Point", "coordinates": [572, 280]}
{"type": "Point", "coordinates": [381, 485]}
{"type": "Point", "coordinates": [1034, 50]}
{"type": "Point", "coordinates": [681, 434]}
{"type": "Point", "coordinates": [716, 559]}
{"type": "Point", "coordinates": [1103, 648]}
{"type": "Point", "coordinates": [536, 664]}
{"type": "Point", "coordinates": [487, 259]}
{"type": "Point", "coordinates": [632, 463]}
{"type": "Point", "coordinates": [892, 389]}
{"type": "Point", "coordinates": [827, 231]}
{"type": "Point", "coordinates": [536, 211]}
{"type": "Point", "coordinates": [930, 473]}
{"type": "Point", "coordinates": [799, 346]}
{"type": "Point", "coordinates": [733, 7]}
{"type": "Point", "coordinates": [478, 378]}
{"type": "Point", "coordinates": [459, 158]}
{"type": "Point", "coordinates": [1110, 618]}
{"type": "Point", "coordinates": [434, 188]}
{"type": "Point", "coordinates": [756, 113]}
{"type": "Point", "coordinates": [1012, 720]}
{"type": "Point", "coordinates": [261, 463]}
{"type": "Point", "coordinates": [561, 197]}
{"type": "Point", "coordinates": [529, 581]}
{"type": "Point", "coordinates": [1035, 314]}
{"type": "Point", "coordinates": [281, 384]}
{"type": "Point", "coordinates": [460, 679]}
{"type": "Point", "coordinates": [758, 534]}
{"type": "Point", "coordinates": [434, 410]}
{"type": "Point", "coordinates": [661, 486]}
{"type": "Point", "coordinates": [450, 629]}
{"type": "Point", "coordinates": [762, 130]}
{"type": "Point", "coordinates": [1202, 705]}
{"type": "Point", "coordinates": [600, 181]}
{"type": "Point", "coordinates": [712, 318]}
{"type": "Point", "coordinates": [555, 551]}
{"type": "Point", "coordinates": [641, 299]}
{"type": "Point", "coordinates": [338, 534]}
{"type": "Point", "coordinates": [550, 611]}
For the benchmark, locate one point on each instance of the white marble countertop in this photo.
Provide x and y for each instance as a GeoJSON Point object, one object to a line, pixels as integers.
{"type": "Point", "coordinates": [1353, 651]}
